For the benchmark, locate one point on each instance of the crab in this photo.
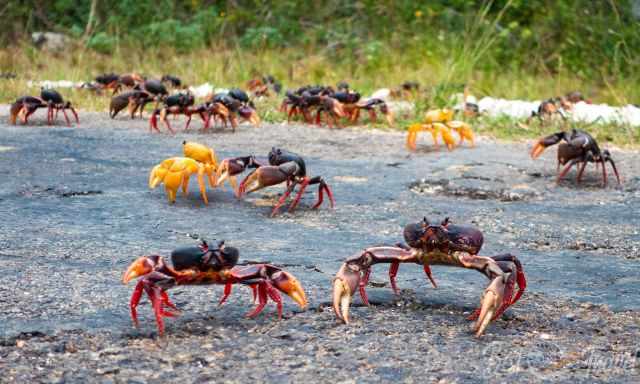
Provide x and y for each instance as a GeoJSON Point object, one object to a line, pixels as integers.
{"type": "Point", "coordinates": [304, 99]}
{"type": "Point", "coordinates": [229, 169]}
{"type": "Point", "coordinates": [439, 122]}
{"type": "Point", "coordinates": [440, 244]}
{"type": "Point", "coordinates": [370, 106]}
{"type": "Point", "coordinates": [284, 166]}
{"type": "Point", "coordinates": [261, 86]}
{"type": "Point", "coordinates": [331, 106]}
{"type": "Point", "coordinates": [549, 108]}
{"type": "Point", "coordinates": [200, 153]}
{"type": "Point", "coordinates": [133, 100]}
{"type": "Point", "coordinates": [579, 148]}
{"type": "Point", "coordinates": [175, 172]}
{"type": "Point", "coordinates": [114, 82]}
{"type": "Point", "coordinates": [236, 101]}
{"type": "Point", "coordinates": [51, 99]}
{"type": "Point", "coordinates": [177, 104]}
{"type": "Point", "coordinates": [205, 265]}
{"type": "Point", "coordinates": [172, 81]}
{"type": "Point", "coordinates": [218, 111]}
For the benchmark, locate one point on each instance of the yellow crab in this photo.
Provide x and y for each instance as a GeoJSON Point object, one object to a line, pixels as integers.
{"type": "Point", "coordinates": [440, 122]}
{"type": "Point", "coordinates": [200, 152]}
{"type": "Point", "coordinates": [176, 171]}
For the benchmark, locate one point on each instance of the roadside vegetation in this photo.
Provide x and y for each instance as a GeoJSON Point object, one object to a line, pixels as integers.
{"type": "Point", "coordinates": [514, 49]}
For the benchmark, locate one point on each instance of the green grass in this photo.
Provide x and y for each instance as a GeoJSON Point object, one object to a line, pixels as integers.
{"type": "Point", "coordinates": [225, 66]}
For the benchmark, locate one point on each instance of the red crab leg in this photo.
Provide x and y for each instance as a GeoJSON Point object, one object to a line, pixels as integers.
{"type": "Point", "coordinates": [604, 173]}
{"type": "Point", "coordinates": [167, 302]}
{"type": "Point", "coordinates": [393, 271]}
{"type": "Point", "coordinates": [565, 170]}
{"type": "Point", "coordinates": [227, 292]}
{"type": "Point", "coordinates": [320, 197]}
{"type": "Point", "coordinates": [166, 122]}
{"type": "Point", "coordinates": [262, 297]}
{"type": "Point", "coordinates": [153, 123]}
{"type": "Point", "coordinates": [135, 299]}
{"type": "Point", "coordinates": [303, 186]}
{"type": "Point", "coordinates": [427, 271]}
{"type": "Point", "coordinates": [282, 200]}
{"type": "Point", "coordinates": [254, 291]}
{"type": "Point", "coordinates": [156, 303]}
{"type": "Point", "coordinates": [362, 285]}
{"type": "Point", "coordinates": [330, 194]}
{"type": "Point", "coordinates": [275, 296]}
{"type": "Point", "coordinates": [66, 117]}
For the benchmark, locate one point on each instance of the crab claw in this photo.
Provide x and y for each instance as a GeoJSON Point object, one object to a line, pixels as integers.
{"type": "Point", "coordinates": [344, 286]}
{"type": "Point", "coordinates": [250, 115]}
{"type": "Point", "coordinates": [490, 303]}
{"type": "Point", "coordinates": [289, 285]}
{"type": "Point", "coordinates": [140, 267]}
{"type": "Point", "coordinates": [537, 149]}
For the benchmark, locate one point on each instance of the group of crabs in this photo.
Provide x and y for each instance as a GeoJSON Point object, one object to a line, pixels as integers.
{"type": "Point", "coordinates": [425, 243]}
{"type": "Point", "coordinates": [226, 107]}
{"type": "Point", "coordinates": [134, 92]}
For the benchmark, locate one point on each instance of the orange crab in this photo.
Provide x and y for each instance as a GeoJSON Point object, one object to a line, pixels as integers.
{"type": "Point", "coordinates": [439, 122]}
{"type": "Point", "coordinates": [175, 172]}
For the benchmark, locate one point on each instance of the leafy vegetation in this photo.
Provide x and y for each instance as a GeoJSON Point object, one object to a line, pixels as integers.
{"type": "Point", "coordinates": [505, 48]}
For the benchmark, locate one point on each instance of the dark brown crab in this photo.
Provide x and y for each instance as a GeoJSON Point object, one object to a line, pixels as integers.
{"type": "Point", "coordinates": [440, 244]}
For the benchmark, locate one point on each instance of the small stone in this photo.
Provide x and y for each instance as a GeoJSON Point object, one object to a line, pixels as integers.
{"type": "Point", "coordinates": [20, 343]}
{"type": "Point", "coordinates": [545, 336]}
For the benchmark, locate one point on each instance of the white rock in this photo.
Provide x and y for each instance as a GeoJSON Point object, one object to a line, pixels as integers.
{"type": "Point", "coordinates": [382, 93]}
{"type": "Point", "coordinates": [201, 90]}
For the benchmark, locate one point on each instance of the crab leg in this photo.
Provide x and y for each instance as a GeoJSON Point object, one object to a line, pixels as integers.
{"type": "Point", "coordinates": [303, 186]}
{"type": "Point", "coordinates": [615, 170]}
{"type": "Point", "coordinates": [354, 274]}
{"type": "Point", "coordinates": [75, 114]}
{"type": "Point", "coordinates": [604, 173]}
{"type": "Point", "coordinates": [566, 170]}
{"type": "Point", "coordinates": [135, 299]}
{"type": "Point", "coordinates": [66, 117]}
{"type": "Point", "coordinates": [580, 171]}
{"type": "Point", "coordinates": [282, 199]}
{"type": "Point", "coordinates": [227, 292]}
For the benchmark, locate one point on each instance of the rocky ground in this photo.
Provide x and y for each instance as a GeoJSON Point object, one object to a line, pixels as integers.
{"type": "Point", "coordinates": [76, 211]}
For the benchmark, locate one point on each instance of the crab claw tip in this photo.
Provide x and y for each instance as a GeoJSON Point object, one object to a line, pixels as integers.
{"type": "Point", "coordinates": [490, 303]}
{"type": "Point", "coordinates": [537, 149]}
{"type": "Point", "coordinates": [341, 299]}
{"type": "Point", "coordinates": [138, 268]}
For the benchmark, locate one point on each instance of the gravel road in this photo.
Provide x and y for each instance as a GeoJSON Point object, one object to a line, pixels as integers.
{"type": "Point", "coordinates": [76, 211]}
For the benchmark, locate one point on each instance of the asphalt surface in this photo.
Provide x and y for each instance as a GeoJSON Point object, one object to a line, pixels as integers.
{"type": "Point", "coordinates": [76, 210]}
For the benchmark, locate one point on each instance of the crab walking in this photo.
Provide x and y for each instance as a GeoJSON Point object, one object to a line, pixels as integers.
{"type": "Point", "coordinates": [343, 103]}
{"type": "Point", "coordinates": [51, 99]}
{"type": "Point", "coordinates": [439, 122]}
{"type": "Point", "coordinates": [443, 244]}
{"type": "Point", "coordinates": [284, 167]}
{"type": "Point", "coordinates": [205, 265]}
{"type": "Point", "coordinates": [579, 148]}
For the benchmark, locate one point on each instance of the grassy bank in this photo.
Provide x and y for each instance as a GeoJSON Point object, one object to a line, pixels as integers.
{"type": "Point", "coordinates": [224, 66]}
